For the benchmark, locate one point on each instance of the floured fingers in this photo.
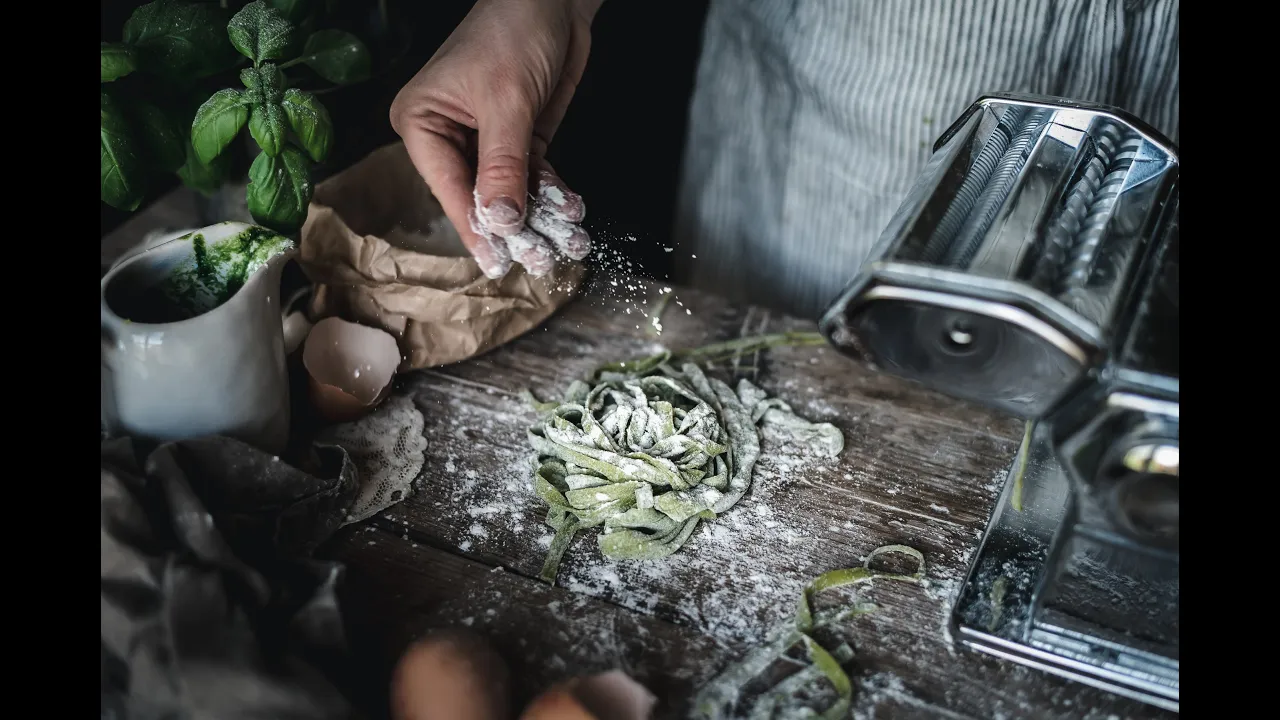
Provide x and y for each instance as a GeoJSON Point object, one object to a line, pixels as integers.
{"type": "Point", "coordinates": [568, 238]}
{"type": "Point", "coordinates": [555, 211]}
{"type": "Point", "coordinates": [525, 247]}
{"type": "Point", "coordinates": [550, 192]}
{"type": "Point", "coordinates": [550, 225]}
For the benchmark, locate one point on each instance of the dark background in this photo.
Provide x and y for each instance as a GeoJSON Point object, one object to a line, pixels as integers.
{"type": "Point", "coordinates": [620, 144]}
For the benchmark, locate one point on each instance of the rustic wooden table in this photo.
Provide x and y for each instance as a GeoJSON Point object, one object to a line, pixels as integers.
{"type": "Point", "coordinates": [918, 469]}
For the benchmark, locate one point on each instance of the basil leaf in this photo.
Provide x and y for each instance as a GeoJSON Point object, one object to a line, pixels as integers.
{"type": "Point", "coordinates": [217, 123]}
{"type": "Point", "coordinates": [310, 123]}
{"type": "Point", "coordinates": [123, 175]}
{"type": "Point", "coordinates": [292, 10]}
{"type": "Point", "coordinates": [267, 77]}
{"type": "Point", "coordinates": [252, 96]}
{"type": "Point", "coordinates": [205, 179]}
{"type": "Point", "coordinates": [162, 134]}
{"type": "Point", "coordinates": [260, 32]}
{"type": "Point", "coordinates": [337, 56]}
{"type": "Point", "coordinates": [179, 39]}
{"type": "Point", "coordinates": [280, 190]}
{"type": "Point", "coordinates": [267, 126]}
{"type": "Point", "coordinates": [117, 61]}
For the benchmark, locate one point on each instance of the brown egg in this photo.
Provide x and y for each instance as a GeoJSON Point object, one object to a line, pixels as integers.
{"type": "Point", "coordinates": [558, 703]}
{"type": "Point", "coordinates": [350, 367]}
{"type": "Point", "coordinates": [615, 696]}
{"type": "Point", "coordinates": [451, 675]}
{"type": "Point", "coordinates": [607, 696]}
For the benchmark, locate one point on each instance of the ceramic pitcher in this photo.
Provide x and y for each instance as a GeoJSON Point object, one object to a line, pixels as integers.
{"type": "Point", "coordinates": [192, 341]}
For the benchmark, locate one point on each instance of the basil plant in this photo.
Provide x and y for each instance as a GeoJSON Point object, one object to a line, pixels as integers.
{"type": "Point", "coordinates": [147, 127]}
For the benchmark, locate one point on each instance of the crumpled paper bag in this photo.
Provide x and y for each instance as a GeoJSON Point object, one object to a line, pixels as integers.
{"type": "Point", "coordinates": [381, 252]}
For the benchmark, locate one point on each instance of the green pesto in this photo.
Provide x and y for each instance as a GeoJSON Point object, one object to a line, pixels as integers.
{"type": "Point", "coordinates": [203, 269]}
{"type": "Point", "coordinates": [218, 269]}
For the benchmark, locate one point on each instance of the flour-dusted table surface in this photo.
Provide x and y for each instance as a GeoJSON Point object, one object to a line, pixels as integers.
{"type": "Point", "coordinates": [918, 469]}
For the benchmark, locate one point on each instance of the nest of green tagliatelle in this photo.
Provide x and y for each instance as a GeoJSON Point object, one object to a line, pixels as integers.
{"type": "Point", "coordinates": [646, 450]}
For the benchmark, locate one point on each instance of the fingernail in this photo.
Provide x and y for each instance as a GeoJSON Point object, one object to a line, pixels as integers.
{"type": "Point", "coordinates": [502, 211]}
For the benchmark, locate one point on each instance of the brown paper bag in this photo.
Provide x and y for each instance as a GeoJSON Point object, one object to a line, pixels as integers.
{"type": "Point", "coordinates": [381, 252]}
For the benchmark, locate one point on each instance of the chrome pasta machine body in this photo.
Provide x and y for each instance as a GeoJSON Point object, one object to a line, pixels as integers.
{"type": "Point", "coordinates": [1033, 268]}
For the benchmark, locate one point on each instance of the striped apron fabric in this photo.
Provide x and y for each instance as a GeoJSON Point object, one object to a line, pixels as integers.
{"type": "Point", "coordinates": [811, 118]}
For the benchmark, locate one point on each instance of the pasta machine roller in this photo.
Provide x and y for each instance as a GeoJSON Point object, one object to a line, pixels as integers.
{"type": "Point", "coordinates": [1033, 268]}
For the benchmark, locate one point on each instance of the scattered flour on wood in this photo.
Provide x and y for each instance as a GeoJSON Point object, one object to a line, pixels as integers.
{"type": "Point", "coordinates": [495, 510]}
{"type": "Point", "coordinates": [885, 691]}
{"type": "Point", "coordinates": [743, 571]}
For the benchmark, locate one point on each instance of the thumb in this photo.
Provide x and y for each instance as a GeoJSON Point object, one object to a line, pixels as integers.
{"type": "Point", "coordinates": [502, 170]}
{"type": "Point", "coordinates": [447, 174]}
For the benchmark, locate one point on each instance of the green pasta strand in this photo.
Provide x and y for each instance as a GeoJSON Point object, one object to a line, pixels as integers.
{"type": "Point", "coordinates": [1020, 468]}
{"type": "Point", "coordinates": [559, 543]}
{"type": "Point", "coordinates": [778, 699]}
{"type": "Point", "coordinates": [716, 352]}
{"type": "Point", "coordinates": [717, 699]}
{"type": "Point", "coordinates": [835, 674]}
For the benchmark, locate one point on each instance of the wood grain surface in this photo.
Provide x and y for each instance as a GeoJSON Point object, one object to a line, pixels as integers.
{"type": "Point", "coordinates": [918, 469]}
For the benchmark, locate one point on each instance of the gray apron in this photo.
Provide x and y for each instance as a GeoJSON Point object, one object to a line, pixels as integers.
{"type": "Point", "coordinates": [811, 118]}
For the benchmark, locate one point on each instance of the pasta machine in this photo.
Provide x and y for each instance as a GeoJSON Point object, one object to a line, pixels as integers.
{"type": "Point", "coordinates": [1033, 268]}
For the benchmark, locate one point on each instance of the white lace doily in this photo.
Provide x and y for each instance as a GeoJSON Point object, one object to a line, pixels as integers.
{"type": "Point", "coordinates": [388, 450]}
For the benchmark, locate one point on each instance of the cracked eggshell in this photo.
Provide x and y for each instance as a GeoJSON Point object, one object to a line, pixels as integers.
{"type": "Point", "coordinates": [349, 367]}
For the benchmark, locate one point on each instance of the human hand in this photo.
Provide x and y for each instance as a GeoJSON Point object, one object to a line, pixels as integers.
{"type": "Point", "coordinates": [491, 99]}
